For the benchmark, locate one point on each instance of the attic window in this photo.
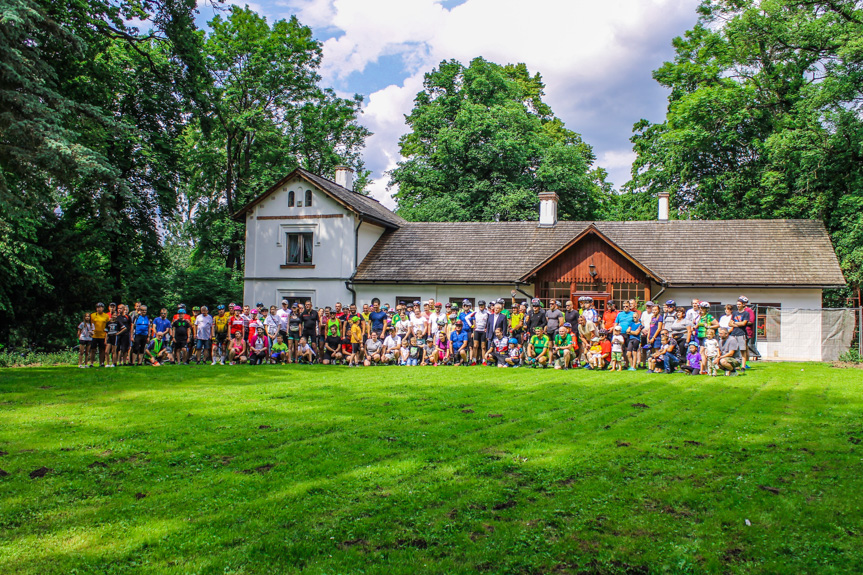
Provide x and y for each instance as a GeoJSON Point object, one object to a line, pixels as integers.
{"type": "Point", "coordinates": [308, 198]}
{"type": "Point", "coordinates": [291, 199]}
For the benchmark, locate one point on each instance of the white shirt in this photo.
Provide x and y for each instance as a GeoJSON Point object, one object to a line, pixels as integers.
{"type": "Point", "coordinates": [204, 326]}
{"type": "Point", "coordinates": [617, 343]}
{"type": "Point", "coordinates": [480, 320]}
{"type": "Point", "coordinates": [591, 315]}
{"type": "Point", "coordinates": [646, 316]}
{"type": "Point", "coordinates": [711, 347]}
{"type": "Point", "coordinates": [433, 317]}
{"type": "Point", "coordinates": [692, 314]}
{"type": "Point", "coordinates": [391, 343]}
{"type": "Point", "coordinates": [723, 321]}
{"type": "Point", "coordinates": [419, 323]}
{"type": "Point", "coordinates": [272, 325]}
{"type": "Point", "coordinates": [284, 315]}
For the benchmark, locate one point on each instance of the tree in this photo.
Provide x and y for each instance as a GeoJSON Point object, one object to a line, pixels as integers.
{"type": "Point", "coordinates": [763, 120]}
{"type": "Point", "coordinates": [483, 144]}
{"type": "Point", "coordinates": [268, 116]}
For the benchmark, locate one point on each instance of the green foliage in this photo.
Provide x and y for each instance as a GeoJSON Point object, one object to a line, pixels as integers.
{"type": "Point", "coordinates": [851, 356]}
{"type": "Point", "coordinates": [402, 470]}
{"type": "Point", "coordinates": [483, 144]}
{"type": "Point", "coordinates": [28, 358]}
{"type": "Point", "coordinates": [763, 120]}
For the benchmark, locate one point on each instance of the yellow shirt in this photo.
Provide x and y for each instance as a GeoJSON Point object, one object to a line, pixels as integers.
{"type": "Point", "coordinates": [356, 334]}
{"type": "Point", "coordinates": [99, 320]}
{"type": "Point", "coordinates": [515, 320]}
{"type": "Point", "coordinates": [596, 348]}
{"type": "Point", "coordinates": [221, 323]}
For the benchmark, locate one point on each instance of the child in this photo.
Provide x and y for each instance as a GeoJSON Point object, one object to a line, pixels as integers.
{"type": "Point", "coordinates": [356, 342]}
{"type": "Point", "coordinates": [617, 343]}
{"type": "Point", "coordinates": [513, 358]}
{"type": "Point", "coordinates": [85, 340]}
{"type": "Point", "coordinates": [595, 354]}
{"type": "Point", "coordinates": [430, 353]}
{"type": "Point", "coordinates": [693, 360]}
{"type": "Point", "coordinates": [279, 351]}
{"type": "Point", "coordinates": [709, 353]}
{"type": "Point", "coordinates": [404, 352]}
{"type": "Point", "coordinates": [605, 344]}
{"type": "Point", "coordinates": [305, 354]}
{"type": "Point", "coordinates": [415, 350]}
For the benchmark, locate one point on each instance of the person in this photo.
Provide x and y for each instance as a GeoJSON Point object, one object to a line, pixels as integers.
{"type": "Point", "coordinates": [347, 348]}
{"type": "Point", "coordinates": [466, 317]}
{"type": "Point", "coordinates": [709, 353]}
{"type": "Point", "coordinates": [203, 335]}
{"type": "Point", "coordinates": [514, 355]}
{"type": "Point", "coordinates": [237, 324]}
{"type": "Point", "coordinates": [586, 332]}
{"type": "Point", "coordinates": [295, 326]}
{"type": "Point", "coordinates": [705, 321]}
{"type": "Point", "coordinates": [100, 320]}
{"type": "Point", "coordinates": [655, 328]}
{"type": "Point", "coordinates": [633, 342]}
{"type": "Point", "coordinates": [500, 346]}
{"type": "Point", "coordinates": [339, 315]}
{"type": "Point", "coordinates": [378, 319]}
{"type": "Point", "coordinates": [404, 351]}
{"type": "Point", "coordinates": [443, 347]}
{"type": "Point", "coordinates": [535, 318]}
{"type": "Point", "coordinates": [667, 357]}
{"type": "Point", "coordinates": [617, 344]}
{"type": "Point", "coordinates": [124, 329]}
{"type": "Point", "coordinates": [356, 341]}
{"type": "Point", "coordinates": [111, 335]}
{"type": "Point", "coordinates": [392, 343]}
{"type": "Point", "coordinates": [259, 346]}
{"type": "Point", "coordinates": [751, 348]}
{"type": "Point", "coordinates": [332, 346]}
{"type": "Point", "coordinates": [459, 340]}
{"type": "Point", "coordinates": [497, 320]}
{"type": "Point", "coordinates": [516, 321]}
{"type": "Point", "coordinates": [220, 335]}
{"type": "Point", "coordinates": [725, 320]}
{"type": "Point", "coordinates": [272, 323]}
{"type": "Point", "coordinates": [570, 314]}
{"type": "Point", "coordinates": [237, 349]}
{"type": "Point", "coordinates": [539, 348]}
{"type": "Point", "coordinates": [161, 330]}
{"type": "Point", "coordinates": [624, 320]}
{"type": "Point", "coordinates": [310, 322]}
{"type": "Point", "coordinates": [141, 332]}
{"type": "Point", "coordinates": [737, 325]}
{"type": "Point", "coordinates": [279, 351]}
{"type": "Point", "coordinates": [374, 346]}
{"type": "Point", "coordinates": [85, 339]}
{"type": "Point", "coordinates": [180, 329]}
{"type": "Point", "coordinates": [646, 317]}
{"type": "Point", "coordinates": [562, 349]}
{"type": "Point", "coordinates": [590, 313]}
{"type": "Point", "coordinates": [605, 345]}
{"type": "Point", "coordinates": [730, 357]}
{"type": "Point", "coordinates": [429, 355]}
{"type": "Point", "coordinates": [305, 353]}
{"type": "Point", "coordinates": [694, 312]}
{"type": "Point", "coordinates": [609, 316]}
{"type": "Point", "coordinates": [594, 355]}
{"type": "Point", "coordinates": [283, 315]}
{"type": "Point", "coordinates": [693, 360]}
{"type": "Point", "coordinates": [553, 318]}
{"type": "Point", "coordinates": [669, 313]}
{"type": "Point", "coordinates": [156, 350]}
{"type": "Point", "coordinates": [681, 330]}
{"type": "Point", "coordinates": [247, 321]}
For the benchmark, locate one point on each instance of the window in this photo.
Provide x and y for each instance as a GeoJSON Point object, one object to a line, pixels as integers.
{"type": "Point", "coordinates": [299, 249]}
{"type": "Point", "coordinates": [291, 199]}
{"type": "Point", "coordinates": [308, 198]}
{"type": "Point", "coordinates": [768, 321]}
{"type": "Point", "coordinates": [627, 291]}
{"type": "Point", "coordinates": [407, 300]}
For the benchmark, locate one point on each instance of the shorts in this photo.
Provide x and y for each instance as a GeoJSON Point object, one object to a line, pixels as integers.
{"type": "Point", "coordinates": [633, 344]}
{"type": "Point", "coordinates": [277, 355]}
{"type": "Point", "coordinates": [140, 344]}
{"type": "Point", "coordinates": [123, 342]}
{"type": "Point", "coordinates": [98, 343]}
{"type": "Point", "coordinates": [202, 344]}
{"type": "Point", "coordinates": [85, 342]}
{"type": "Point", "coordinates": [733, 362]}
{"type": "Point", "coordinates": [221, 338]}
{"type": "Point", "coordinates": [294, 336]}
{"type": "Point", "coordinates": [741, 341]}
{"type": "Point", "coordinates": [480, 337]}
{"type": "Point", "coordinates": [617, 356]}
{"type": "Point", "coordinates": [388, 356]}
{"type": "Point", "coordinates": [179, 344]}
{"type": "Point", "coordinates": [284, 334]}
{"type": "Point", "coordinates": [111, 339]}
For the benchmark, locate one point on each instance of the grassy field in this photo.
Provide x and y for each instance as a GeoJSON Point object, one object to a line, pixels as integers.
{"type": "Point", "coordinates": [445, 470]}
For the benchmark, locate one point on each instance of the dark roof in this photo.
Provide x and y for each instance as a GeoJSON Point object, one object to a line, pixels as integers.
{"type": "Point", "coordinates": [366, 206]}
{"type": "Point", "coordinates": [783, 253]}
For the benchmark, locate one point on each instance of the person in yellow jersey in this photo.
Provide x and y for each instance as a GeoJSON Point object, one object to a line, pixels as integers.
{"type": "Point", "coordinates": [99, 320]}
{"type": "Point", "coordinates": [220, 332]}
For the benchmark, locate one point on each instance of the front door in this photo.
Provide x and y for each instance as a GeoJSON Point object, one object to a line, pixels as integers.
{"type": "Point", "coordinates": [599, 299]}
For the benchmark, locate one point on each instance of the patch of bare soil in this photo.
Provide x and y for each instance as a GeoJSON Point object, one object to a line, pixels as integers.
{"type": "Point", "coordinates": [96, 464]}
{"type": "Point", "coordinates": [3, 473]}
{"type": "Point", "coordinates": [41, 472]}
{"type": "Point", "coordinates": [640, 406]}
{"type": "Point", "coordinates": [140, 495]}
{"type": "Point", "coordinates": [772, 490]}
{"type": "Point", "coordinates": [495, 415]}
{"type": "Point", "coordinates": [847, 365]}
{"type": "Point", "coordinates": [467, 411]}
{"type": "Point", "coordinates": [622, 444]}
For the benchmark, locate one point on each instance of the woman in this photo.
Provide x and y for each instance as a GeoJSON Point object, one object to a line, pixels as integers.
{"type": "Point", "coordinates": [705, 322]}
{"type": "Point", "coordinates": [259, 346]}
{"type": "Point", "coordinates": [237, 349]}
{"type": "Point", "coordinates": [725, 319]}
{"type": "Point", "coordinates": [85, 339]}
{"type": "Point", "coordinates": [681, 330]}
{"type": "Point", "coordinates": [653, 339]}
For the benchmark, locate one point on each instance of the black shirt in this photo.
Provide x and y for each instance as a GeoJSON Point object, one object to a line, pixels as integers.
{"type": "Point", "coordinates": [181, 329]}
{"type": "Point", "coordinates": [737, 316]}
{"type": "Point", "coordinates": [124, 321]}
{"type": "Point", "coordinates": [535, 320]}
{"type": "Point", "coordinates": [310, 323]}
{"type": "Point", "coordinates": [111, 327]}
{"type": "Point", "coordinates": [571, 317]}
{"type": "Point", "coordinates": [333, 341]}
{"type": "Point", "coordinates": [294, 323]}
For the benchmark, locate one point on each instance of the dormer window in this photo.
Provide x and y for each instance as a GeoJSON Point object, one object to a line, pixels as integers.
{"type": "Point", "coordinates": [291, 199]}
{"type": "Point", "coordinates": [308, 198]}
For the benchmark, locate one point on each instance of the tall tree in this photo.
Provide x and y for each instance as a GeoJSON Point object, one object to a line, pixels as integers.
{"type": "Point", "coordinates": [269, 115]}
{"type": "Point", "coordinates": [763, 120]}
{"type": "Point", "coordinates": [483, 143]}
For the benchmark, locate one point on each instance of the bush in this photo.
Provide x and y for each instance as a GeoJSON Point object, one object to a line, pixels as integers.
{"type": "Point", "coordinates": [851, 356]}
{"type": "Point", "coordinates": [33, 358]}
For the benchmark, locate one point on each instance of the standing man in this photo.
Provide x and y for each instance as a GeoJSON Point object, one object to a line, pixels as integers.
{"type": "Point", "coordinates": [309, 319]}
{"type": "Point", "coordinates": [497, 320]}
{"type": "Point", "coordinates": [180, 329]}
{"type": "Point", "coordinates": [124, 331]}
{"type": "Point", "coordinates": [751, 348]}
{"type": "Point", "coordinates": [738, 323]}
{"type": "Point", "coordinates": [609, 316]}
{"type": "Point", "coordinates": [100, 321]}
{"type": "Point", "coordinates": [203, 334]}
{"type": "Point", "coordinates": [111, 335]}
{"type": "Point", "coordinates": [284, 316]}
{"type": "Point", "coordinates": [480, 338]}
{"type": "Point", "coordinates": [221, 323]}
{"type": "Point", "coordinates": [141, 331]}
{"type": "Point", "coordinates": [553, 318]}
{"type": "Point", "coordinates": [570, 314]}
{"type": "Point", "coordinates": [378, 319]}
{"type": "Point", "coordinates": [535, 318]}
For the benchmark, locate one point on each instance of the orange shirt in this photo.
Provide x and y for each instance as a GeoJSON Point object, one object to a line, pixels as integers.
{"type": "Point", "coordinates": [608, 319]}
{"type": "Point", "coordinates": [99, 320]}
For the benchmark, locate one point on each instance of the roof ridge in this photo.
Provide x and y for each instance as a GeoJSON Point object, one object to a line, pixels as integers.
{"type": "Point", "coordinates": [333, 182]}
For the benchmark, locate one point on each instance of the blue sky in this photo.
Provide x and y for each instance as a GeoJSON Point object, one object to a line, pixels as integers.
{"type": "Point", "coordinates": [596, 58]}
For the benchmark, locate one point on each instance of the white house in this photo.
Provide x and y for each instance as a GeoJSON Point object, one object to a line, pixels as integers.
{"type": "Point", "coordinates": [308, 237]}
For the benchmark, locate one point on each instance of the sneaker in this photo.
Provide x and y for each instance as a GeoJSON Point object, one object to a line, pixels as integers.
{"type": "Point", "coordinates": [156, 364]}
{"type": "Point", "coordinates": [214, 362]}
{"type": "Point", "coordinates": [223, 361]}
{"type": "Point", "coordinates": [631, 369]}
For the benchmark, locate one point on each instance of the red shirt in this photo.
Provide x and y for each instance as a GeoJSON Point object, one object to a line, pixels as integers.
{"type": "Point", "coordinates": [608, 319]}
{"type": "Point", "coordinates": [237, 324]}
{"type": "Point", "coordinates": [606, 348]}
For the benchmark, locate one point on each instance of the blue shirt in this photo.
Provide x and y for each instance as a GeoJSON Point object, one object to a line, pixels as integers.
{"type": "Point", "coordinates": [162, 324]}
{"type": "Point", "coordinates": [458, 339]}
{"type": "Point", "coordinates": [624, 319]}
{"type": "Point", "coordinates": [467, 320]}
{"type": "Point", "coordinates": [377, 318]}
{"type": "Point", "coordinates": [142, 325]}
{"type": "Point", "coordinates": [634, 326]}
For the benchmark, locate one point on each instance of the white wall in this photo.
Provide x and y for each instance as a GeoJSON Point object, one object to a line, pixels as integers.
{"type": "Point", "coordinates": [388, 293]}
{"type": "Point", "coordinates": [321, 292]}
{"type": "Point", "coordinates": [369, 234]}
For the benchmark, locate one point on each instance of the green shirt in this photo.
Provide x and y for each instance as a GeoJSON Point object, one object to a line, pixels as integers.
{"type": "Point", "coordinates": [279, 347]}
{"type": "Point", "coordinates": [337, 324]}
{"type": "Point", "coordinates": [704, 322]}
{"type": "Point", "coordinates": [539, 343]}
{"type": "Point", "coordinates": [563, 341]}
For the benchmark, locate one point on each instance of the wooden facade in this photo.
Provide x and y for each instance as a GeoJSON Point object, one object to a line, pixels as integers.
{"type": "Point", "coordinates": [572, 267]}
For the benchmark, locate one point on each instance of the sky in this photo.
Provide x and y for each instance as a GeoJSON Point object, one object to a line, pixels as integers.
{"type": "Point", "coordinates": [595, 57]}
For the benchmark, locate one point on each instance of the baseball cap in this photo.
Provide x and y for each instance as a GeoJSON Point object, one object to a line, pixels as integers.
{"type": "Point", "coordinates": [481, 302]}
{"type": "Point", "coordinates": [295, 305]}
{"type": "Point", "coordinates": [100, 304]}
{"type": "Point", "coordinates": [181, 311]}
{"type": "Point", "coordinates": [649, 304]}
{"type": "Point", "coordinates": [670, 302]}
{"type": "Point", "coordinates": [284, 301]}
{"type": "Point", "coordinates": [567, 324]}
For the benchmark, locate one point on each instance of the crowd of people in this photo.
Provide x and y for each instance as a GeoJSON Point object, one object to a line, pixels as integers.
{"type": "Point", "coordinates": [661, 338]}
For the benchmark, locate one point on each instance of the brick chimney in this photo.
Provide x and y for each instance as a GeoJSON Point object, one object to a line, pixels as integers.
{"type": "Point", "coordinates": [547, 209]}
{"type": "Point", "coordinates": [345, 177]}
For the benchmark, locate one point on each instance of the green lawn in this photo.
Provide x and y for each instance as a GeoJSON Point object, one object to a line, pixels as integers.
{"type": "Point", "coordinates": [448, 470]}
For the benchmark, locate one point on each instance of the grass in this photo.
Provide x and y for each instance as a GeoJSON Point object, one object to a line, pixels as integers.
{"type": "Point", "coordinates": [446, 470]}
